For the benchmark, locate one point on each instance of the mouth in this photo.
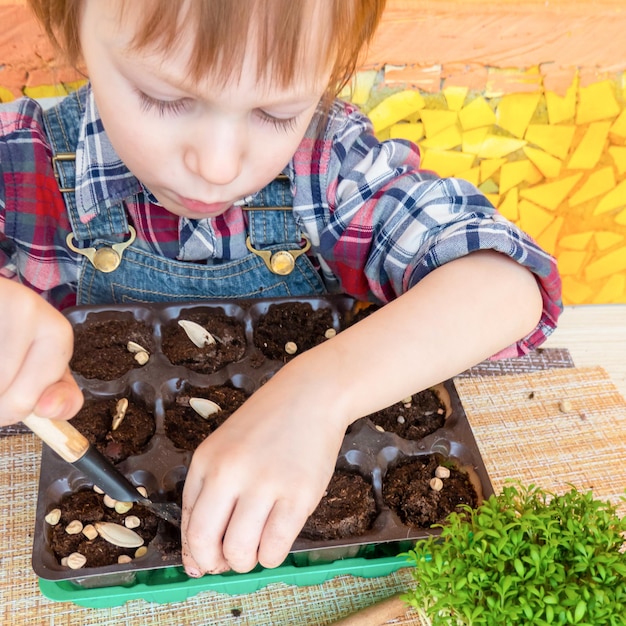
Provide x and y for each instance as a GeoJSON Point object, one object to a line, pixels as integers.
{"type": "Point", "coordinates": [205, 209]}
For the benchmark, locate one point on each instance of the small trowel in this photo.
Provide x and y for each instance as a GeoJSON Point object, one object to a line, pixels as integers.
{"type": "Point", "coordinates": [74, 448]}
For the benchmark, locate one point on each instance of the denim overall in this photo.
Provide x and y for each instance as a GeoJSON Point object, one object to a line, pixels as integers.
{"type": "Point", "coordinates": [143, 276]}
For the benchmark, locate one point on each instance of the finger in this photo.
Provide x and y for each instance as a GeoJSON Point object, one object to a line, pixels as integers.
{"type": "Point", "coordinates": [281, 529]}
{"type": "Point", "coordinates": [61, 400]}
{"type": "Point", "coordinates": [44, 362]}
{"type": "Point", "coordinates": [245, 528]}
{"type": "Point", "coordinates": [205, 517]}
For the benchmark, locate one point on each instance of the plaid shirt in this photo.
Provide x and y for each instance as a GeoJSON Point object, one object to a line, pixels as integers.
{"type": "Point", "coordinates": [375, 220]}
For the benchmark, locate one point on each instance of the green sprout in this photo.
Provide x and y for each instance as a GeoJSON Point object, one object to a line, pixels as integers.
{"type": "Point", "coordinates": [525, 556]}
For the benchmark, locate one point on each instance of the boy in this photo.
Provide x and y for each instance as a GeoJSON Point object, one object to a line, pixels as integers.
{"type": "Point", "coordinates": [192, 111]}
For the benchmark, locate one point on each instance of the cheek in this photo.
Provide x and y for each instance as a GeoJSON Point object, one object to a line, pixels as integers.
{"type": "Point", "coordinates": [136, 138]}
{"type": "Point", "coordinates": [277, 149]}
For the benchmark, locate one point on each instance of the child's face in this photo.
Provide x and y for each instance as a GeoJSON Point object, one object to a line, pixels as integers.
{"type": "Point", "coordinates": [198, 147]}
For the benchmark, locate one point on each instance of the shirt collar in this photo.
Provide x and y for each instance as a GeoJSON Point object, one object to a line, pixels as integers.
{"type": "Point", "coordinates": [102, 179]}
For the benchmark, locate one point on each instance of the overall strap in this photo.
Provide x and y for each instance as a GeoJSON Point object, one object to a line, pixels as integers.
{"type": "Point", "coordinates": [62, 123]}
{"type": "Point", "coordinates": [270, 215]}
{"type": "Point", "coordinates": [273, 232]}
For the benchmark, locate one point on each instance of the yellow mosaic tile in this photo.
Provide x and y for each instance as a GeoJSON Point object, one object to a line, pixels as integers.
{"type": "Point", "coordinates": [553, 163]}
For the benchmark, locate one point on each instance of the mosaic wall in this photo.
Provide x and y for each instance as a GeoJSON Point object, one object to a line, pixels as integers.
{"type": "Point", "coordinates": [554, 164]}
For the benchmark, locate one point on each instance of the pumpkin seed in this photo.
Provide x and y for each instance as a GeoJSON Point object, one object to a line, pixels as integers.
{"type": "Point", "coordinates": [134, 347]}
{"type": "Point", "coordinates": [204, 407]}
{"type": "Point", "coordinates": [199, 335]}
{"type": "Point", "coordinates": [118, 535]}
{"type": "Point", "coordinates": [120, 413]}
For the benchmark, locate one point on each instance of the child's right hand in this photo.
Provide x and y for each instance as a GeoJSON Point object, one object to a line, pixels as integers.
{"type": "Point", "coordinates": [37, 343]}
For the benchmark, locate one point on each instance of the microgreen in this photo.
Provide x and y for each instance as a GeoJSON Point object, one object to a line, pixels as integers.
{"type": "Point", "coordinates": [524, 556]}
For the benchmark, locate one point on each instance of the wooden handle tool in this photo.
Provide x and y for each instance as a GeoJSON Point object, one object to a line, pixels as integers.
{"type": "Point", "coordinates": [72, 446]}
{"type": "Point", "coordinates": [377, 614]}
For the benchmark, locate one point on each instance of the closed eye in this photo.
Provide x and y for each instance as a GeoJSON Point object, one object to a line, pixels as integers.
{"type": "Point", "coordinates": [163, 107]}
{"type": "Point", "coordinates": [279, 123]}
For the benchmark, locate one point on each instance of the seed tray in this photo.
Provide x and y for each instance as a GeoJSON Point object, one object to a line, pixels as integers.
{"type": "Point", "coordinates": [161, 467]}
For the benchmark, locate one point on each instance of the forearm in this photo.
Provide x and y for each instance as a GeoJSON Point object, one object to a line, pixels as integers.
{"type": "Point", "coordinates": [460, 314]}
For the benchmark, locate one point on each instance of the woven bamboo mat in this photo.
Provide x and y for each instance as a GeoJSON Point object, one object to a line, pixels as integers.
{"type": "Point", "coordinates": [524, 433]}
{"type": "Point", "coordinates": [519, 436]}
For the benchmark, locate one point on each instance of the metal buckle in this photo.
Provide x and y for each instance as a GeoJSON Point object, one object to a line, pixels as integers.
{"type": "Point", "coordinates": [105, 259]}
{"type": "Point", "coordinates": [281, 262]}
{"type": "Point", "coordinates": [62, 156]}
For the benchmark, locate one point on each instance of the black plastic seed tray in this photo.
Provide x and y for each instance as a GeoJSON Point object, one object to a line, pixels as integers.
{"type": "Point", "coordinates": [161, 466]}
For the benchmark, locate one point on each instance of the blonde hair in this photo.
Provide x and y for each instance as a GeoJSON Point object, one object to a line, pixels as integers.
{"type": "Point", "coordinates": [222, 28]}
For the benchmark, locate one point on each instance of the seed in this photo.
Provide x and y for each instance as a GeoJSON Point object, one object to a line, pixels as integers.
{"type": "Point", "coordinates": [74, 527]}
{"type": "Point", "coordinates": [76, 560]}
{"type": "Point", "coordinates": [291, 347]}
{"type": "Point", "coordinates": [330, 333]}
{"type": "Point", "coordinates": [134, 347]}
{"type": "Point", "coordinates": [143, 491]}
{"type": "Point", "coordinates": [53, 517]}
{"type": "Point", "coordinates": [436, 484]}
{"type": "Point", "coordinates": [199, 335]}
{"type": "Point", "coordinates": [108, 501]}
{"type": "Point", "coordinates": [142, 357]}
{"type": "Point", "coordinates": [64, 561]}
{"type": "Point", "coordinates": [120, 413]}
{"type": "Point", "coordinates": [401, 419]}
{"type": "Point", "coordinates": [90, 532]}
{"type": "Point", "coordinates": [141, 551]}
{"type": "Point", "coordinates": [124, 558]}
{"type": "Point", "coordinates": [379, 428]}
{"type": "Point", "coordinates": [132, 521]}
{"type": "Point", "coordinates": [118, 535]}
{"type": "Point", "coordinates": [407, 401]}
{"type": "Point", "coordinates": [123, 507]}
{"type": "Point", "coordinates": [97, 489]}
{"type": "Point", "coordinates": [565, 406]}
{"type": "Point", "coordinates": [204, 407]}
{"type": "Point", "coordinates": [442, 472]}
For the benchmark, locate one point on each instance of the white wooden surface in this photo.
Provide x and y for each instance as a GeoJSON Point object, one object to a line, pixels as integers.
{"type": "Point", "coordinates": [595, 335]}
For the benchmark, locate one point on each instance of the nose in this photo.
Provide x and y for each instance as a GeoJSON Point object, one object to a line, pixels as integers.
{"type": "Point", "coordinates": [215, 151]}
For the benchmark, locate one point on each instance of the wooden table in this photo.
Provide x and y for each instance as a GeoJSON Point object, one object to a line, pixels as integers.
{"type": "Point", "coordinates": [595, 335]}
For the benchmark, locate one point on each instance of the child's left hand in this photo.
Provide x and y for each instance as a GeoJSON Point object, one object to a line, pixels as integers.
{"type": "Point", "coordinates": [253, 482]}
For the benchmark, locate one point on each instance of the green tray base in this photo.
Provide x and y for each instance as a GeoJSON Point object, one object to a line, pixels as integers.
{"type": "Point", "coordinates": [173, 585]}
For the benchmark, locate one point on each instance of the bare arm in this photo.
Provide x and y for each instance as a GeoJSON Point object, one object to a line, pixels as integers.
{"type": "Point", "coordinates": [460, 314]}
{"type": "Point", "coordinates": [253, 482]}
